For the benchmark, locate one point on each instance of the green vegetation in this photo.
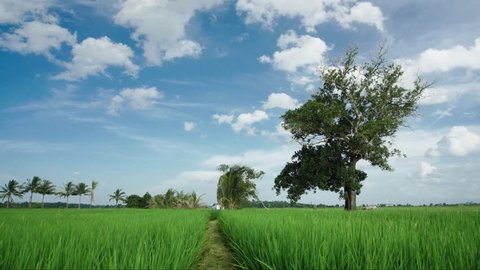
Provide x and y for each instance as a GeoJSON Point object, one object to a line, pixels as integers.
{"type": "Point", "coordinates": [235, 185]}
{"type": "Point", "coordinates": [353, 116]}
{"type": "Point", "coordinates": [101, 239]}
{"type": "Point", "coordinates": [388, 238]}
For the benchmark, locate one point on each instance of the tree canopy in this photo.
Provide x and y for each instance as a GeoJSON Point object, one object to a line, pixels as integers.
{"type": "Point", "coordinates": [235, 185]}
{"type": "Point", "coordinates": [353, 116]}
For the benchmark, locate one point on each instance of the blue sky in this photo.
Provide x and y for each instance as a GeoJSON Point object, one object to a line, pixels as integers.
{"type": "Point", "coordinates": [147, 95]}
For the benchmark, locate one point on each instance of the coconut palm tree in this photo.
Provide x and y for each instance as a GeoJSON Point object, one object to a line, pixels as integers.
{"type": "Point", "coordinates": [68, 190]}
{"type": "Point", "coordinates": [118, 195]}
{"type": "Point", "coordinates": [10, 190]}
{"type": "Point", "coordinates": [195, 201]}
{"type": "Point", "coordinates": [235, 186]}
{"type": "Point", "coordinates": [81, 189]}
{"type": "Point", "coordinates": [46, 187]}
{"type": "Point", "coordinates": [32, 187]}
{"type": "Point", "coordinates": [92, 192]}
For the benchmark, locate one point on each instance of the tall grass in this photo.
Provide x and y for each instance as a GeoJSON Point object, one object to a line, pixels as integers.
{"type": "Point", "coordinates": [101, 239]}
{"type": "Point", "coordinates": [409, 238]}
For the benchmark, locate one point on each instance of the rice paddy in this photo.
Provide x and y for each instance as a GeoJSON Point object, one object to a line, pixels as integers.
{"type": "Point", "coordinates": [410, 238]}
{"type": "Point", "coordinates": [100, 239]}
{"type": "Point", "coordinates": [387, 238]}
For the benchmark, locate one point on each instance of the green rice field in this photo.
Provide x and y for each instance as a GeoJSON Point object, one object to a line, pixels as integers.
{"type": "Point", "coordinates": [390, 238]}
{"type": "Point", "coordinates": [100, 239]}
{"type": "Point", "coordinates": [385, 238]}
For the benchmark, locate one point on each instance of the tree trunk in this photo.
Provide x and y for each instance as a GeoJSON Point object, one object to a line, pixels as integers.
{"type": "Point", "coordinates": [350, 199]}
{"type": "Point", "coordinates": [30, 202]}
{"type": "Point", "coordinates": [8, 201]}
{"type": "Point", "coordinates": [91, 199]}
{"type": "Point", "coordinates": [66, 205]}
{"type": "Point", "coordinates": [43, 198]}
{"type": "Point", "coordinates": [79, 201]}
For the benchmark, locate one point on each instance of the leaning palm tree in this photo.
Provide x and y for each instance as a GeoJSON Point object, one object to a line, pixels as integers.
{"type": "Point", "coordinates": [32, 187]}
{"type": "Point", "coordinates": [195, 201]}
{"type": "Point", "coordinates": [10, 190]}
{"type": "Point", "coordinates": [46, 188]}
{"type": "Point", "coordinates": [81, 189]}
{"type": "Point", "coordinates": [68, 190]}
{"type": "Point", "coordinates": [118, 195]}
{"type": "Point", "coordinates": [92, 192]}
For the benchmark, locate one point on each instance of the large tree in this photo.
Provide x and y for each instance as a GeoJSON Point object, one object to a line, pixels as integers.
{"type": "Point", "coordinates": [353, 116]}
{"type": "Point", "coordinates": [32, 187]}
{"type": "Point", "coordinates": [46, 188]}
{"type": "Point", "coordinates": [235, 185]}
{"type": "Point", "coordinates": [10, 190]}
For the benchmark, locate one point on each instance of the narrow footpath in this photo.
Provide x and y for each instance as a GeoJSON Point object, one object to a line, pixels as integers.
{"type": "Point", "coordinates": [215, 254]}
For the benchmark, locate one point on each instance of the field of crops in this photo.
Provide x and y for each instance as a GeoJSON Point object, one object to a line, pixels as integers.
{"type": "Point", "coordinates": [391, 238]}
{"type": "Point", "coordinates": [100, 239]}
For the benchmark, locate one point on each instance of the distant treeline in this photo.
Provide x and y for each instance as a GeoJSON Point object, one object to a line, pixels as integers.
{"type": "Point", "coordinates": [284, 204]}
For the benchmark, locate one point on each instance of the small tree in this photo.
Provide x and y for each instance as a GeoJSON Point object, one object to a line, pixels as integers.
{"type": "Point", "coordinates": [118, 196]}
{"type": "Point", "coordinates": [10, 190]}
{"type": "Point", "coordinates": [46, 188]}
{"type": "Point", "coordinates": [235, 186]}
{"type": "Point", "coordinates": [69, 189]}
{"type": "Point", "coordinates": [32, 187]}
{"type": "Point", "coordinates": [92, 192]}
{"type": "Point", "coordinates": [81, 189]}
{"type": "Point", "coordinates": [353, 116]}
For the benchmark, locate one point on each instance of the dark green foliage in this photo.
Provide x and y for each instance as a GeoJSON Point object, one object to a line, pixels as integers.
{"type": "Point", "coordinates": [352, 117]}
{"type": "Point", "coordinates": [46, 188]}
{"type": "Point", "coordinates": [117, 196]}
{"type": "Point", "coordinates": [175, 199]}
{"type": "Point", "coordinates": [32, 187]}
{"type": "Point", "coordinates": [135, 201]}
{"type": "Point", "coordinates": [10, 190]}
{"type": "Point", "coordinates": [235, 186]}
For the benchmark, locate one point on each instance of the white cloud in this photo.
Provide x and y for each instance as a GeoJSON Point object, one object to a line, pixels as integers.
{"type": "Point", "coordinates": [223, 118]}
{"type": "Point", "coordinates": [160, 26]}
{"type": "Point", "coordinates": [280, 100]}
{"type": "Point", "coordinates": [135, 98]}
{"type": "Point", "coordinates": [246, 120]}
{"type": "Point", "coordinates": [426, 169]}
{"type": "Point", "coordinates": [17, 11]}
{"type": "Point", "coordinates": [189, 126]}
{"type": "Point", "coordinates": [447, 93]}
{"type": "Point", "coordinates": [311, 13]}
{"type": "Point", "coordinates": [37, 37]}
{"type": "Point", "coordinates": [459, 141]}
{"type": "Point", "coordinates": [297, 52]}
{"type": "Point", "coordinates": [279, 132]}
{"type": "Point", "coordinates": [94, 56]}
{"type": "Point", "coordinates": [441, 60]}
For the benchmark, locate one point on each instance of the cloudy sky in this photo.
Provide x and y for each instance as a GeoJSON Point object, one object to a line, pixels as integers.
{"type": "Point", "coordinates": [146, 95]}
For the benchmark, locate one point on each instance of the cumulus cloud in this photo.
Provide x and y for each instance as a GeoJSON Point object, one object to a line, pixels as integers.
{"type": "Point", "coordinates": [37, 38]}
{"type": "Point", "coordinates": [441, 60]}
{"type": "Point", "coordinates": [459, 141]}
{"type": "Point", "coordinates": [279, 132]}
{"type": "Point", "coordinates": [94, 56]}
{"type": "Point", "coordinates": [296, 52]}
{"type": "Point", "coordinates": [189, 126]}
{"type": "Point", "coordinates": [426, 169]}
{"type": "Point", "coordinates": [311, 13]}
{"type": "Point", "coordinates": [280, 100]}
{"type": "Point", "coordinates": [160, 26]}
{"type": "Point", "coordinates": [17, 11]}
{"type": "Point", "coordinates": [223, 118]}
{"type": "Point", "coordinates": [134, 98]}
{"type": "Point", "coordinates": [246, 120]}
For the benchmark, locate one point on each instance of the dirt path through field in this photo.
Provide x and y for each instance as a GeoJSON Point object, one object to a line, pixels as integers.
{"type": "Point", "coordinates": [216, 254]}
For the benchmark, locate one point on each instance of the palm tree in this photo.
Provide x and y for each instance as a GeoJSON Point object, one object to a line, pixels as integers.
{"type": "Point", "coordinates": [68, 190]}
{"type": "Point", "coordinates": [81, 189]}
{"type": "Point", "coordinates": [10, 190]}
{"type": "Point", "coordinates": [92, 192]}
{"type": "Point", "coordinates": [235, 186]}
{"type": "Point", "coordinates": [46, 188]}
{"type": "Point", "coordinates": [118, 195]}
{"type": "Point", "coordinates": [32, 187]}
{"type": "Point", "coordinates": [195, 201]}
